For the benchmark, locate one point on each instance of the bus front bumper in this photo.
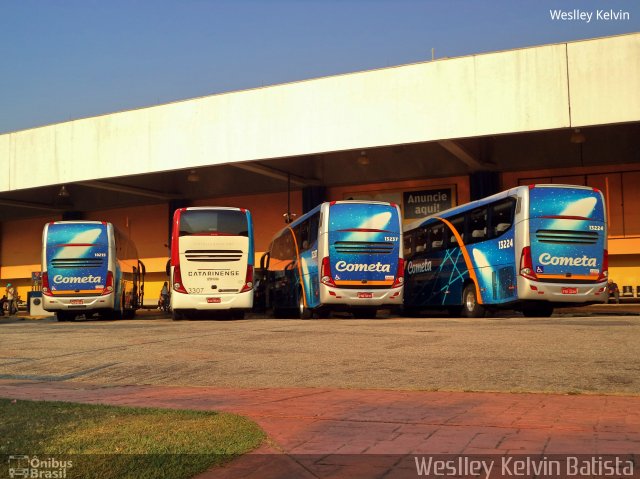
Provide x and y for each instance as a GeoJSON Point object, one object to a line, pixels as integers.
{"type": "Point", "coordinates": [561, 292]}
{"type": "Point", "coordinates": [84, 303]}
{"type": "Point", "coordinates": [361, 297]}
{"type": "Point", "coordinates": [200, 302]}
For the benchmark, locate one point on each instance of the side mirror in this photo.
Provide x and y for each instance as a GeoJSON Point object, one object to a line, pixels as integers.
{"type": "Point", "coordinates": [168, 269]}
{"type": "Point", "coordinates": [264, 260]}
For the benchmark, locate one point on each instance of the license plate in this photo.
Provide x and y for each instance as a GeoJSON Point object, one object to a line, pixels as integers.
{"type": "Point", "coordinates": [569, 290]}
{"type": "Point", "coordinates": [214, 300]}
{"type": "Point", "coordinates": [365, 295]}
{"type": "Point", "coordinates": [77, 301]}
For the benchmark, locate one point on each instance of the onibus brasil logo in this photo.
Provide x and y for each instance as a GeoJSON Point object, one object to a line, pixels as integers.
{"type": "Point", "coordinates": [34, 467]}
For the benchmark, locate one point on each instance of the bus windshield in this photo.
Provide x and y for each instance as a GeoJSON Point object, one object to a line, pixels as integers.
{"type": "Point", "coordinates": [566, 203]}
{"type": "Point", "coordinates": [363, 217]}
{"type": "Point", "coordinates": [77, 257]}
{"type": "Point", "coordinates": [213, 223]}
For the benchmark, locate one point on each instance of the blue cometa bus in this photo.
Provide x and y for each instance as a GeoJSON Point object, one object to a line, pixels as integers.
{"type": "Point", "coordinates": [90, 267]}
{"type": "Point", "coordinates": [342, 255]}
{"type": "Point", "coordinates": [531, 248]}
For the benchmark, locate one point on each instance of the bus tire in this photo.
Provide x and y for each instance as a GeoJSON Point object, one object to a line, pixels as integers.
{"type": "Point", "coordinates": [365, 313]}
{"type": "Point", "coordinates": [541, 310]}
{"type": "Point", "coordinates": [62, 316]}
{"type": "Point", "coordinates": [470, 306]}
{"type": "Point", "coordinates": [303, 311]}
{"type": "Point", "coordinates": [410, 312]}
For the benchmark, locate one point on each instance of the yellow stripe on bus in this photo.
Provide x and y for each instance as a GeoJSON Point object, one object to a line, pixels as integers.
{"type": "Point", "coordinates": [72, 293]}
{"type": "Point", "coordinates": [364, 285]}
{"type": "Point", "coordinates": [568, 278]}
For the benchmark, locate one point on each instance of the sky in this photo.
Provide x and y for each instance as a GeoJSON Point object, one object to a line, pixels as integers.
{"type": "Point", "coordinates": [68, 59]}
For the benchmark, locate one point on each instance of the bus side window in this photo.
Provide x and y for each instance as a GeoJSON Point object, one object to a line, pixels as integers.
{"type": "Point", "coordinates": [282, 251]}
{"type": "Point", "coordinates": [502, 217]}
{"type": "Point", "coordinates": [458, 224]}
{"type": "Point", "coordinates": [302, 236]}
{"type": "Point", "coordinates": [421, 241]}
{"type": "Point", "coordinates": [478, 225]}
{"type": "Point", "coordinates": [436, 235]}
{"type": "Point", "coordinates": [407, 245]}
{"type": "Point", "coordinates": [314, 224]}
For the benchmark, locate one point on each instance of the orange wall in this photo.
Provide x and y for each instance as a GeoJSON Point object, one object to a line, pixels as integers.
{"type": "Point", "coordinates": [147, 226]}
{"type": "Point", "coordinates": [20, 244]}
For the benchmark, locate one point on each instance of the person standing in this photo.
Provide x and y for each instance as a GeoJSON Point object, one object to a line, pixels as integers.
{"type": "Point", "coordinates": [12, 299]}
{"type": "Point", "coordinates": [164, 297]}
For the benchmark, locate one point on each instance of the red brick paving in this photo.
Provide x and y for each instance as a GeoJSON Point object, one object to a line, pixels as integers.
{"type": "Point", "coordinates": [324, 432]}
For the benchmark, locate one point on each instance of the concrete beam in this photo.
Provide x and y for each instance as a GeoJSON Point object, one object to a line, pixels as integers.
{"type": "Point", "coordinates": [463, 155]}
{"type": "Point", "coordinates": [276, 174]}
{"type": "Point", "coordinates": [103, 185]}
{"type": "Point", "coordinates": [30, 205]}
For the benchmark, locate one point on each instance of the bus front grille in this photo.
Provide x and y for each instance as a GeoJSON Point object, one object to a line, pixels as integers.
{"type": "Point", "coordinates": [567, 237]}
{"type": "Point", "coordinates": [77, 263]}
{"type": "Point", "coordinates": [213, 255]}
{"type": "Point", "coordinates": [363, 247]}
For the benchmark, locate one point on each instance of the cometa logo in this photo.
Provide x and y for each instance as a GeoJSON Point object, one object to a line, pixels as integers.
{"type": "Point", "coordinates": [370, 268]}
{"type": "Point", "coordinates": [547, 259]}
{"type": "Point", "coordinates": [91, 279]}
{"type": "Point", "coordinates": [416, 268]}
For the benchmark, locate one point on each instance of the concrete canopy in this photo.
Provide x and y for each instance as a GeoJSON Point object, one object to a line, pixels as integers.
{"type": "Point", "coordinates": [501, 111]}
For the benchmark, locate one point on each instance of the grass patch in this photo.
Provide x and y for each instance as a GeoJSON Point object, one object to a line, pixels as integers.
{"type": "Point", "coordinates": [115, 442]}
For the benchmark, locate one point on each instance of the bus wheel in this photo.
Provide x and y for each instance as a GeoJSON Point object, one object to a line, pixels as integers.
{"type": "Point", "coordinates": [470, 306]}
{"type": "Point", "coordinates": [303, 311]}
{"type": "Point", "coordinates": [410, 312]}
{"type": "Point", "coordinates": [541, 310]}
{"type": "Point", "coordinates": [65, 316]}
{"type": "Point", "coordinates": [365, 313]}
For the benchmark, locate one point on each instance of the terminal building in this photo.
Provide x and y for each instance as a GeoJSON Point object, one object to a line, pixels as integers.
{"type": "Point", "coordinates": [427, 136]}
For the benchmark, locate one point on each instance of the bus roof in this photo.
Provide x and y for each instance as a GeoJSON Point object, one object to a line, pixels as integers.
{"type": "Point", "coordinates": [228, 208]}
{"type": "Point", "coordinates": [313, 211]}
{"type": "Point", "coordinates": [90, 222]}
{"type": "Point", "coordinates": [489, 199]}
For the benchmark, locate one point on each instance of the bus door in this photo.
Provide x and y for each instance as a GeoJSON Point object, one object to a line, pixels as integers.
{"type": "Point", "coordinates": [420, 274]}
{"type": "Point", "coordinates": [364, 245]}
{"type": "Point", "coordinates": [567, 235]}
{"type": "Point", "coordinates": [453, 268]}
{"type": "Point", "coordinates": [282, 275]}
{"type": "Point", "coordinates": [306, 235]}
